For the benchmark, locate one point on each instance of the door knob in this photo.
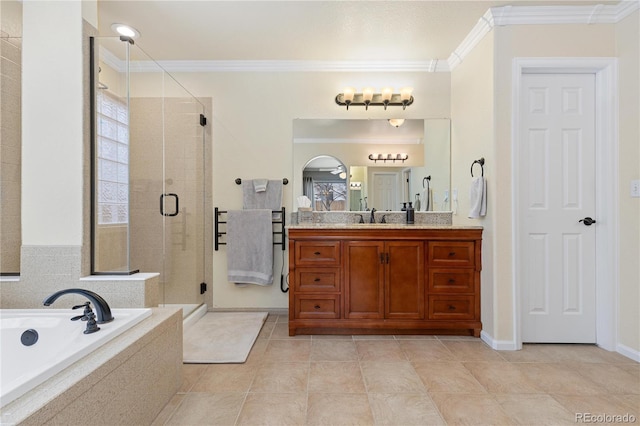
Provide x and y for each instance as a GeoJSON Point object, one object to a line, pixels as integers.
{"type": "Point", "coordinates": [587, 221]}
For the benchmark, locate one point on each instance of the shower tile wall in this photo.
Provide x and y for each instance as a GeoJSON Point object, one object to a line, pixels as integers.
{"type": "Point", "coordinates": [10, 152]}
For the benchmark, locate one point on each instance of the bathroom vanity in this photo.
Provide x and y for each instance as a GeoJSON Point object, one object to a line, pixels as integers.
{"type": "Point", "coordinates": [384, 279]}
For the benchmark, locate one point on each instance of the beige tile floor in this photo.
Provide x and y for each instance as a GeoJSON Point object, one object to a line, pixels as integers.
{"type": "Point", "coordinates": [405, 380]}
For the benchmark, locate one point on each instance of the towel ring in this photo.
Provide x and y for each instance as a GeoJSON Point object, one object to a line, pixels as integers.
{"type": "Point", "coordinates": [284, 181]}
{"type": "Point", "coordinates": [426, 180]}
{"type": "Point", "coordinates": [481, 162]}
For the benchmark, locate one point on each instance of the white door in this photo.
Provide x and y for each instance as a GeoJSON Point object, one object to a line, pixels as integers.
{"type": "Point", "coordinates": [385, 191]}
{"type": "Point", "coordinates": [557, 252]}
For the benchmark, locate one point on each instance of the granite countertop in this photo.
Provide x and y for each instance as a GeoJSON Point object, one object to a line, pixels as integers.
{"type": "Point", "coordinates": [376, 226]}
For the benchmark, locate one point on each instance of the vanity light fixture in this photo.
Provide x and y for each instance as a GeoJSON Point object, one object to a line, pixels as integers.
{"type": "Point", "coordinates": [367, 97]}
{"type": "Point", "coordinates": [388, 157]}
{"type": "Point", "coordinates": [125, 30]}
{"type": "Point", "coordinates": [396, 122]}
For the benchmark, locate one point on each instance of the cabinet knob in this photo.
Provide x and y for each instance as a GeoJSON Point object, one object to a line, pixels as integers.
{"type": "Point", "coordinates": [316, 307]}
{"type": "Point", "coordinates": [317, 253]}
{"type": "Point", "coordinates": [451, 281]}
{"type": "Point", "coordinates": [452, 308]}
{"type": "Point", "coordinates": [317, 279]}
{"type": "Point", "coordinates": [452, 253]}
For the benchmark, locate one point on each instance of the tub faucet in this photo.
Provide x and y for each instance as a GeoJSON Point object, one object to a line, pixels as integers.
{"type": "Point", "coordinates": [373, 218]}
{"type": "Point", "coordinates": [103, 311]}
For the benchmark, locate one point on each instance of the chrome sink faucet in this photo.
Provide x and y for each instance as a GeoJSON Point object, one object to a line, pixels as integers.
{"type": "Point", "coordinates": [103, 311]}
{"type": "Point", "coordinates": [373, 218]}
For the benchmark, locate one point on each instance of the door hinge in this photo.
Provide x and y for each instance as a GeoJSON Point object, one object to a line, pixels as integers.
{"type": "Point", "coordinates": [203, 120]}
{"type": "Point", "coordinates": [203, 288]}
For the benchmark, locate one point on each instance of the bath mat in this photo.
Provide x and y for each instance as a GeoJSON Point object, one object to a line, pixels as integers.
{"type": "Point", "coordinates": [222, 337]}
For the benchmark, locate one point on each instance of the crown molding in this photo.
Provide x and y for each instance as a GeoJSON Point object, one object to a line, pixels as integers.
{"type": "Point", "coordinates": [432, 65]}
{"type": "Point", "coordinates": [111, 60]}
{"type": "Point", "coordinates": [484, 25]}
{"type": "Point", "coordinates": [539, 15]}
{"type": "Point", "coordinates": [495, 16]}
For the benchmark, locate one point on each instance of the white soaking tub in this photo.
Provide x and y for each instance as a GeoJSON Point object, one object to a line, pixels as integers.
{"type": "Point", "coordinates": [38, 343]}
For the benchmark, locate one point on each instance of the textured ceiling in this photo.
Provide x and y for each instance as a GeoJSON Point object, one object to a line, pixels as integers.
{"type": "Point", "coordinates": [300, 30]}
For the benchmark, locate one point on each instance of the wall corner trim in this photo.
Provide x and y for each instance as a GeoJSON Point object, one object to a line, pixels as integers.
{"type": "Point", "coordinates": [499, 345]}
{"type": "Point", "coordinates": [631, 353]}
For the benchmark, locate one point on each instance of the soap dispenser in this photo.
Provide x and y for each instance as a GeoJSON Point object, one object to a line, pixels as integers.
{"type": "Point", "coordinates": [410, 214]}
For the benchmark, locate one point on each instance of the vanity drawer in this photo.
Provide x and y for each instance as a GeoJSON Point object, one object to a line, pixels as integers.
{"type": "Point", "coordinates": [326, 306]}
{"type": "Point", "coordinates": [451, 253]}
{"type": "Point", "coordinates": [325, 253]}
{"type": "Point", "coordinates": [317, 280]}
{"type": "Point", "coordinates": [452, 280]}
{"type": "Point", "coordinates": [451, 307]}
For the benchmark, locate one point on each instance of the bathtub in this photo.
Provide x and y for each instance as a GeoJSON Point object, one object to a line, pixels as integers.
{"type": "Point", "coordinates": [59, 343]}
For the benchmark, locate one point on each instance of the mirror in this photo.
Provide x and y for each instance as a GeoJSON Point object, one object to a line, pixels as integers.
{"type": "Point", "coordinates": [374, 153]}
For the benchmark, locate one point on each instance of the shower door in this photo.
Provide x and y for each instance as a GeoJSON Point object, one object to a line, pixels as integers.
{"type": "Point", "coordinates": [181, 201]}
{"type": "Point", "coordinates": [163, 225]}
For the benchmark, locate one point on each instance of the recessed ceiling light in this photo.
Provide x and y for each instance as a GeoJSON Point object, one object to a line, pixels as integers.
{"type": "Point", "coordinates": [125, 30]}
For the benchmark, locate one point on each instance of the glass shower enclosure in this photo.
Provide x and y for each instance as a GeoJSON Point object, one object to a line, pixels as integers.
{"type": "Point", "coordinates": [149, 169]}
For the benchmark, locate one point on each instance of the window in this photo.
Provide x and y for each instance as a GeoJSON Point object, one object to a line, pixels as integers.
{"type": "Point", "coordinates": [330, 195]}
{"type": "Point", "coordinates": [112, 191]}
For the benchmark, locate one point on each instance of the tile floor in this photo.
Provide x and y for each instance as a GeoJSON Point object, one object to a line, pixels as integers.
{"type": "Point", "coordinates": [405, 380]}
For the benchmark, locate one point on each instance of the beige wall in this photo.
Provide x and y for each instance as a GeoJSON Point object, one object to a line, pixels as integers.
{"type": "Point", "coordinates": [252, 124]}
{"type": "Point", "coordinates": [627, 50]}
{"type": "Point", "coordinates": [472, 137]}
{"type": "Point", "coordinates": [481, 126]}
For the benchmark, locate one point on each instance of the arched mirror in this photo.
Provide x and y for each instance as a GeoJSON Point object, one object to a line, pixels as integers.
{"type": "Point", "coordinates": [324, 182]}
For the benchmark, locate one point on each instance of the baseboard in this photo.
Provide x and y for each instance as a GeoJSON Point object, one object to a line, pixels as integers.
{"type": "Point", "coordinates": [194, 316]}
{"type": "Point", "coordinates": [271, 311]}
{"type": "Point", "coordinates": [498, 345]}
{"type": "Point", "coordinates": [628, 352]}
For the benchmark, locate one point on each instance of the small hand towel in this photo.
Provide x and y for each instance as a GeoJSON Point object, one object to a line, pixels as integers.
{"type": "Point", "coordinates": [271, 198]}
{"type": "Point", "coordinates": [250, 247]}
{"type": "Point", "coordinates": [260, 185]}
{"type": "Point", "coordinates": [427, 203]}
{"type": "Point", "coordinates": [478, 197]}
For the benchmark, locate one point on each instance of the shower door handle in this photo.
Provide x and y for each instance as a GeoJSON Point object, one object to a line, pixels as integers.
{"type": "Point", "coordinates": [175, 213]}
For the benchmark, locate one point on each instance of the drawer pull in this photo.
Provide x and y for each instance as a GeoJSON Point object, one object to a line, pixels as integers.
{"type": "Point", "coordinates": [317, 279]}
{"type": "Point", "coordinates": [316, 307]}
{"type": "Point", "coordinates": [317, 253]}
{"type": "Point", "coordinates": [452, 253]}
{"type": "Point", "coordinates": [451, 281]}
{"type": "Point", "coordinates": [452, 308]}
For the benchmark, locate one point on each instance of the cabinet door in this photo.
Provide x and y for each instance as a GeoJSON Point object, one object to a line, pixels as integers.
{"type": "Point", "coordinates": [364, 279]}
{"type": "Point", "coordinates": [404, 276]}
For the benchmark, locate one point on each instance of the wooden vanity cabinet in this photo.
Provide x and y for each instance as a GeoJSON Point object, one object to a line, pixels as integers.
{"type": "Point", "coordinates": [384, 281]}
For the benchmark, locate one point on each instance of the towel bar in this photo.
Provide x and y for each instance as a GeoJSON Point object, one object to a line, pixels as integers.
{"type": "Point", "coordinates": [284, 181]}
{"type": "Point", "coordinates": [218, 233]}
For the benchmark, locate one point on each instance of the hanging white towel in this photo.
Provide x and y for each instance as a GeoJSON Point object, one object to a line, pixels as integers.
{"type": "Point", "coordinates": [427, 200]}
{"type": "Point", "coordinates": [269, 198]}
{"type": "Point", "coordinates": [478, 197]}
{"type": "Point", "coordinates": [249, 247]}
